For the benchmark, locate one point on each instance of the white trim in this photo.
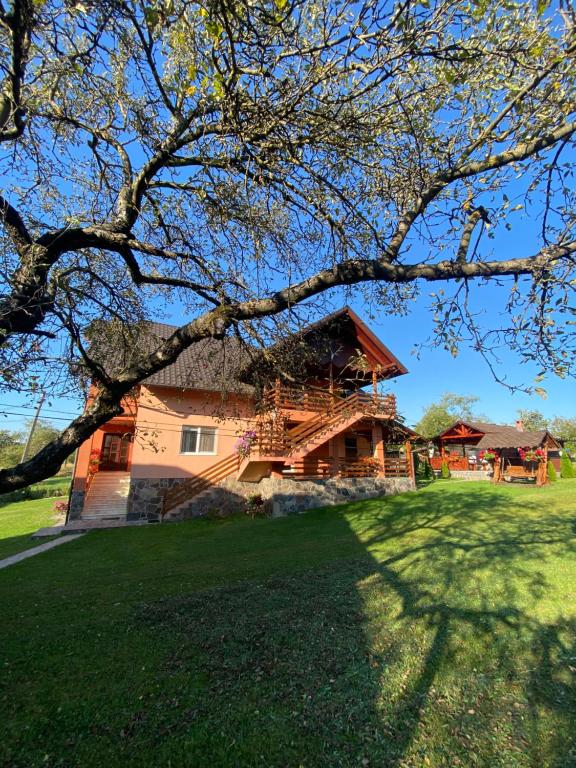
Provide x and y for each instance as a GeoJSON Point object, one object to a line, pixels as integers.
{"type": "Point", "coordinates": [189, 428]}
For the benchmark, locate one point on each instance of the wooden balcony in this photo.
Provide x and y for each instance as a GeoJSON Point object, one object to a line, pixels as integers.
{"type": "Point", "coordinates": [283, 398]}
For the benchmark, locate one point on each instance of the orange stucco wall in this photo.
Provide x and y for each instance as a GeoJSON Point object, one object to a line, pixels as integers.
{"type": "Point", "coordinates": [162, 412]}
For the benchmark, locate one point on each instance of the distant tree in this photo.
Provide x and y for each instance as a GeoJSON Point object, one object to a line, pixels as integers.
{"type": "Point", "coordinates": [439, 416]}
{"type": "Point", "coordinates": [11, 445]}
{"type": "Point", "coordinates": [565, 430]}
{"type": "Point", "coordinates": [532, 420]}
{"type": "Point", "coordinates": [44, 433]}
{"type": "Point", "coordinates": [566, 467]}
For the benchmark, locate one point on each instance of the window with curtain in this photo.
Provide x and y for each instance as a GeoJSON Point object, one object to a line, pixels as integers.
{"type": "Point", "coordinates": [198, 440]}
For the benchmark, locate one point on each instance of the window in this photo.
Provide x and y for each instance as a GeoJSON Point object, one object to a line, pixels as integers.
{"type": "Point", "coordinates": [199, 440]}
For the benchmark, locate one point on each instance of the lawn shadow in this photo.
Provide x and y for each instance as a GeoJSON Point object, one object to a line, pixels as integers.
{"type": "Point", "coordinates": [354, 659]}
{"type": "Point", "coordinates": [396, 633]}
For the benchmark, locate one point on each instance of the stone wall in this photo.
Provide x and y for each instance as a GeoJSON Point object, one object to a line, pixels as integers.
{"type": "Point", "coordinates": [76, 505]}
{"type": "Point", "coordinates": [461, 474]}
{"type": "Point", "coordinates": [145, 497]}
{"type": "Point", "coordinates": [283, 496]}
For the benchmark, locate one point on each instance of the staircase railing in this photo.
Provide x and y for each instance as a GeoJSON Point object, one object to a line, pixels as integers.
{"type": "Point", "coordinates": [192, 487]}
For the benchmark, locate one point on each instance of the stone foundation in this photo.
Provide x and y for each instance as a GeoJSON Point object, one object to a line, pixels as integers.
{"type": "Point", "coordinates": [462, 474]}
{"type": "Point", "coordinates": [283, 496]}
{"type": "Point", "coordinates": [76, 505]}
{"type": "Point", "coordinates": [145, 497]}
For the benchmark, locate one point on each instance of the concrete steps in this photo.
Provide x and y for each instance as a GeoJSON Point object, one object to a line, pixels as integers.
{"type": "Point", "coordinates": [107, 497]}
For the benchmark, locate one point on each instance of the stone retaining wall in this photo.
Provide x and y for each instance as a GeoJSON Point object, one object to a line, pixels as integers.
{"type": "Point", "coordinates": [283, 496]}
{"type": "Point", "coordinates": [461, 474]}
{"type": "Point", "coordinates": [76, 505]}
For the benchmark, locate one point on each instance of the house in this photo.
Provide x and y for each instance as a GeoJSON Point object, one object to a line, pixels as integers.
{"type": "Point", "coordinates": [292, 423]}
{"type": "Point", "coordinates": [463, 444]}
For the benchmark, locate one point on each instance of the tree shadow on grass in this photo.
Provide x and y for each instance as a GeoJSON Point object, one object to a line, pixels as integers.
{"type": "Point", "coordinates": [426, 646]}
{"type": "Point", "coordinates": [426, 635]}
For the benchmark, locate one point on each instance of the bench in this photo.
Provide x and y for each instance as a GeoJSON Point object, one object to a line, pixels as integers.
{"type": "Point", "coordinates": [514, 472]}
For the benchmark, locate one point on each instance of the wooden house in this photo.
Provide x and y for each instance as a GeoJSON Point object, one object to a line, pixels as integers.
{"type": "Point", "coordinates": [293, 423]}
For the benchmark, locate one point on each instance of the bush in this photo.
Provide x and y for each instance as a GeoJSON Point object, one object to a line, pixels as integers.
{"type": "Point", "coordinates": [428, 472]}
{"type": "Point", "coordinates": [255, 505]}
{"type": "Point", "coordinates": [445, 471]}
{"type": "Point", "coordinates": [566, 466]}
{"type": "Point", "coordinates": [551, 472]}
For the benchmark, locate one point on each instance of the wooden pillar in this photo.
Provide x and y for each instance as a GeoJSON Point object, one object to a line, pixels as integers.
{"type": "Point", "coordinates": [375, 383]}
{"type": "Point", "coordinates": [410, 462]}
{"type": "Point", "coordinates": [378, 442]}
{"type": "Point", "coordinates": [277, 393]}
{"type": "Point", "coordinates": [497, 470]}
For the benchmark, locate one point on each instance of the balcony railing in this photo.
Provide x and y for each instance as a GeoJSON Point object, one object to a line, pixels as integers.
{"type": "Point", "coordinates": [283, 398]}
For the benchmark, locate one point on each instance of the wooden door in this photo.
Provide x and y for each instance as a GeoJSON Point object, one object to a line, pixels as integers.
{"type": "Point", "coordinates": [115, 450]}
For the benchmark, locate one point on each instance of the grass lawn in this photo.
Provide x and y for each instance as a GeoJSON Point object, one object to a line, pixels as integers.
{"type": "Point", "coordinates": [429, 629]}
{"type": "Point", "coordinates": [19, 520]}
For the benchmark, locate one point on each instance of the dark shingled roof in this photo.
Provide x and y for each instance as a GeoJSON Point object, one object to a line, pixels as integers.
{"type": "Point", "coordinates": [209, 364]}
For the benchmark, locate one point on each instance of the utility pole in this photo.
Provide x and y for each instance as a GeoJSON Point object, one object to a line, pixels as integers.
{"type": "Point", "coordinates": [32, 427]}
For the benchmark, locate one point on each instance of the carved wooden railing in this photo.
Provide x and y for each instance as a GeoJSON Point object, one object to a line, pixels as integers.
{"type": "Point", "coordinates": [282, 397]}
{"type": "Point", "coordinates": [187, 489]}
{"type": "Point", "coordinates": [457, 463]}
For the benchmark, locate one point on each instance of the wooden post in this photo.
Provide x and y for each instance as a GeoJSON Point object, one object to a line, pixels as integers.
{"type": "Point", "coordinates": [497, 470]}
{"type": "Point", "coordinates": [378, 441]}
{"type": "Point", "coordinates": [374, 383]}
{"type": "Point", "coordinates": [410, 462]}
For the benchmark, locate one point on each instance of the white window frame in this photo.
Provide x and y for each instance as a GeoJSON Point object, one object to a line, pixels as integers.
{"type": "Point", "coordinates": [199, 429]}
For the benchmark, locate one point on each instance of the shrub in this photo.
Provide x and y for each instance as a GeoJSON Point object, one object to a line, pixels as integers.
{"type": "Point", "coordinates": [445, 471]}
{"type": "Point", "coordinates": [255, 505]}
{"type": "Point", "coordinates": [551, 472]}
{"type": "Point", "coordinates": [566, 466]}
{"type": "Point", "coordinates": [428, 472]}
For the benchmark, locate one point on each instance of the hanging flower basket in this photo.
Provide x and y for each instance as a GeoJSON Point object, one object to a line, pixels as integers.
{"type": "Point", "coordinates": [489, 455]}
{"type": "Point", "coordinates": [531, 455]}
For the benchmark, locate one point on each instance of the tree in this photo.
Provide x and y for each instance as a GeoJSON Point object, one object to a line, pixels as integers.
{"type": "Point", "coordinates": [11, 446]}
{"type": "Point", "coordinates": [439, 416]}
{"type": "Point", "coordinates": [565, 429]}
{"type": "Point", "coordinates": [532, 421]}
{"type": "Point", "coordinates": [243, 157]}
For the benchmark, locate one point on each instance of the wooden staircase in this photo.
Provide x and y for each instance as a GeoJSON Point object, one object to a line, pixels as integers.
{"type": "Point", "coordinates": [299, 441]}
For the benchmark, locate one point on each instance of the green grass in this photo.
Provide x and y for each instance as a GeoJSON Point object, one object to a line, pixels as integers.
{"type": "Point", "coordinates": [21, 519]}
{"type": "Point", "coordinates": [54, 486]}
{"type": "Point", "coordinates": [429, 629]}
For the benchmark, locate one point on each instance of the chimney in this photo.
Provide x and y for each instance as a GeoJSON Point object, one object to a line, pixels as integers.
{"type": "Point", "coordinates": [519, 425]}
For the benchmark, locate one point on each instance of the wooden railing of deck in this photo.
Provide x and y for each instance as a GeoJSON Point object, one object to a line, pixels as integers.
{"type": "Point", "coordinates": [311, 468]}
{"type": "Point", "coordinates": [282, 397]}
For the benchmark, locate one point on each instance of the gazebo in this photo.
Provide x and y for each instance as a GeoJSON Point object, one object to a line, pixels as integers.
{"type": "Point", "coordinates": [512, 452]}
